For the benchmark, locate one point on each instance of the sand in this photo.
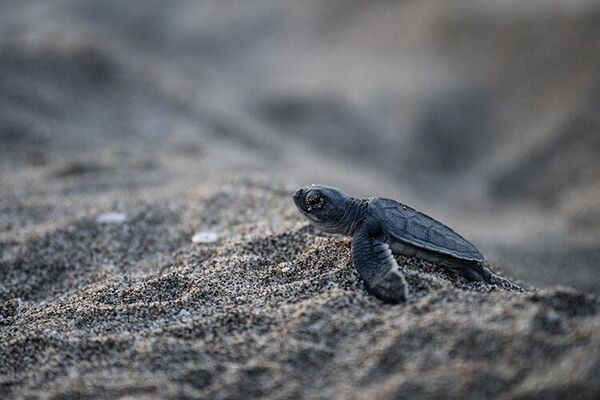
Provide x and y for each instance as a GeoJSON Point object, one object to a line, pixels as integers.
{"type": "Point", "coordinates": [273, 310]}
{"type": "Point", "coordinates": [149, 245]}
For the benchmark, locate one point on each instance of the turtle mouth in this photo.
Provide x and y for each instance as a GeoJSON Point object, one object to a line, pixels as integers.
{"type": "Point", "coordinates": [298, 197]}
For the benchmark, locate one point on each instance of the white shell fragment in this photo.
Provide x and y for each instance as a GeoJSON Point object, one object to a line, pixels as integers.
{"type": "Point", "coordinates": [183, 313]}
{"type": "Point", "coordinates": [205, 237]}
{"type": "Point", "coordinates": [111, 218]}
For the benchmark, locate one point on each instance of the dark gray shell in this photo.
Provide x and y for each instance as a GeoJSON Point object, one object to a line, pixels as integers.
{"type": "Point", "coordinates": [412, 227]}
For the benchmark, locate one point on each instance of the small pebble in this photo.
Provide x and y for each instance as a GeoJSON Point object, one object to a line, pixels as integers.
{"type": "Point", "coordinates": [111, 218]}
{"type": "Point", "coordinates": [205, 237]}
{"type": "Point", "coordinates": [183, 313]}
{"type": "Point", "coordinates": [285, 269]}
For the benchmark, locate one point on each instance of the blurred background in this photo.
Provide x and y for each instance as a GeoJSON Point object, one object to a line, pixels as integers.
{"type": "Point", "coordinates": [484, 114]}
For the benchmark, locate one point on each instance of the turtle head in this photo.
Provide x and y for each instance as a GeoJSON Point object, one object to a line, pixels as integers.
{"type": "Point", "coordinates": [326, 207]}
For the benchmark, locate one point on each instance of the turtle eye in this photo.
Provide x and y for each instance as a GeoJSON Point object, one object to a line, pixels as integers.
{"type": "Point", "coordinates": [314, 201]}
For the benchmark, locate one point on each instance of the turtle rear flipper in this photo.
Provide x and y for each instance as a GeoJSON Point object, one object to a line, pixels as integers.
{"type": "Point", "coordinates": [479, 272]}
{"type": "Point", "coordinates": [471, 271]}
{"type": "Point", "coordinates": [376, 265]}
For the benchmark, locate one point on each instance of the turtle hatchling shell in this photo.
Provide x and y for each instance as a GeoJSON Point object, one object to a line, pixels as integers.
{"type": "Point", "coordinates": [412, 227]}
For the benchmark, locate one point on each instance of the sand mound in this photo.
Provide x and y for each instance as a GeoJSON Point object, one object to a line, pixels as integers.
{"type": "Point", "coordinates": [279, 313]}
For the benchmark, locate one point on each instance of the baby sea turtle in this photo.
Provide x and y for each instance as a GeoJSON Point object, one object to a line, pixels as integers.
{"type": "Point", "coordinates": [381, 228]}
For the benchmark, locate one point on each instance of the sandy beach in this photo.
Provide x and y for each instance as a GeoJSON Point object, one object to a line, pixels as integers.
{"type": "Point", "coordinates": [149, 245]}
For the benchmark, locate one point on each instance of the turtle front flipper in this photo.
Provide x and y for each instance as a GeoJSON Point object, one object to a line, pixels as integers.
{"type": "Point", "coordinates": [376, 265]}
